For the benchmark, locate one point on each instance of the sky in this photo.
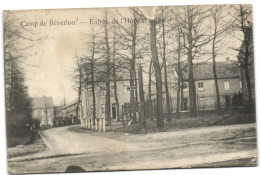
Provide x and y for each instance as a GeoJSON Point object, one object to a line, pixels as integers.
{"type": "Point", "coordinates": [52, 59]}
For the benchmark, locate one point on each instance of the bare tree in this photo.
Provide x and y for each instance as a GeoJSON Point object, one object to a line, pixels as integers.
{"type": "Point", "coordinates": [150, 89]}
{"type": "Point", "coordinates": [168, 108]}
{"type": "Point", "coordinates": [153, 21]}
{"type": "Point", "coordinates": [195, 38]}
{"type": "Point", "coordinates": [17, 41]}
{"type": "Point", "coordinates": [115, 76]}
{"type": "Point", "coordinates": [78, 78]}
{"type": "Point", "coordinates": [243, 23]}
{"type": "Point", "coordinates": [179, 72]}
{"type": "Point", "coordinates": [128, 34]}
{"type": "Point", "coordinates": [157, 68]}
{"type": "Point", "coordinates": [219, 29]}
{"type": "Point", "coordinates": [107, 106]}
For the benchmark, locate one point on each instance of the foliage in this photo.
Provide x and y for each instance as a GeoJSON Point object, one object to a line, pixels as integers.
{"type": "Point", "coordinates": [18, 105]}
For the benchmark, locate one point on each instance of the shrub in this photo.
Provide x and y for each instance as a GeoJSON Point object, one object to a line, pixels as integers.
{"type": "Point", "coordinates": [16, 124]}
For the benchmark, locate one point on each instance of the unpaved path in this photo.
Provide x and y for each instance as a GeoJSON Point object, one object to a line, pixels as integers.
{"type": "Point", "coordinates": [111, 151]}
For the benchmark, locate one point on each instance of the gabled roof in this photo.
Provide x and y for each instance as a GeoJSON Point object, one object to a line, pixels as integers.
{"type": "Point", "coordinates": [42, 102]}
{"type": "Point", "coordinates": [225, 69]}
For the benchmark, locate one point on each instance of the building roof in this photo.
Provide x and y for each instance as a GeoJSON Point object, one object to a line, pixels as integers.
{"type": "Point", "coordinates": [42, 102]}
{"type": "Point", "coordinates": [225, 69]}
{"type": "Point", "coordinates": [73, 102]}
{"type": "Point", "coordinates": [122, 73]}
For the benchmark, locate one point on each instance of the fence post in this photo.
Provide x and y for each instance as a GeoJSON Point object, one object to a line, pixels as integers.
{"type": "Point", "coordinates": [104, 125]}
{"type": "Point", "coordinates": [100, 124]}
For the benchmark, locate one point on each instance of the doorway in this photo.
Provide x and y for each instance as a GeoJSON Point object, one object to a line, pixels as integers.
{"type": "Point", "coordinates": [114, 111]}
{"type": "Point", "coordinates": [185, 104]}
{"type": "Point", "coordinates": [227, 101]}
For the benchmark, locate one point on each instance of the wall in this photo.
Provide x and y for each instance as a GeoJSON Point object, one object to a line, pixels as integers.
{"type": "Point", "coordinates": [40, 113]}
{"type": "Point", "coordinates": [206, 98]}
{"type": "Point", "coordinates": [87, 99]}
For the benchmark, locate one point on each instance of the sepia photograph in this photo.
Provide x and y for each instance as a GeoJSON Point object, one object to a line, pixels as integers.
{"type": "Point", "coordinates": [129, 88]}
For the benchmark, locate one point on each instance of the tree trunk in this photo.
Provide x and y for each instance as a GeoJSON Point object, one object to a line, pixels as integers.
{"type": "Point", "coordinates": [93, 84]}
{"type": "Point", "coordinates": [214, 64]}
{"type": "Point", "coordinates": [178, 98]}
{"type": "Point", "coordinates": [77, 107]}
{"type": "Point", "coordinates": [132, 99]}
{"type": "Point", "coordinates": [160, 118]}
{"type": "Point", "coordinates": [115, 79]}
{"type": "Point", "coordinates": [132, 73]}
{"type": "Point", "coordinates": [136, 93]}
{"type": "Point", "coordinates": [192, 90]}
{"type": "Point", "coordinates": [216, 84]}
{"type": "Point", "coordinates": [165, 74]}
{"type": "Point", "coordinates": [107, 106]}
{"type": "Point", "coordinates": [181, 98]}
{"type": "Point", "coordinates": [11, 86]}
{"type": "Point", "coordinates": [142, 104]}
{"type": "Point", "coordinates": [79, 93]}
{"type": "Point", "coordinates": [178, 88]}
{"type": "Point", "coordinates": [179, 75]}
{"type": "Point", "coordinates": [247, 74]}
{"type": "Point", "coordinates": [150, 91]}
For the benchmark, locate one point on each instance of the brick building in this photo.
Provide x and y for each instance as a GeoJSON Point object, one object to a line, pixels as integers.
{"type": "Point", "coordinates": [229, 83]}
{"type": "Point", "coordinates": [123, 94]}
{"type": "Point", "coordinates": [68, 112]}
{"type": "Point", "coordinates": [100, 95]}
{"type": "Point", "coordinates": [43, 111]}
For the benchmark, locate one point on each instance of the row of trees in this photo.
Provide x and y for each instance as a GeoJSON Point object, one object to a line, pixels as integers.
{"type": "Point", "coordinates": [17, 41]}
{"type": "Point", "coordinates": [168, 39]}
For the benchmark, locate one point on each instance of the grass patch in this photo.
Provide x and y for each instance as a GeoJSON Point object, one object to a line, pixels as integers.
{"type": "Point", "coordinates": [229, 118]}
{"type": "Point", "coordinates": [31, 145]}
{"type": "Point", "coordinates": [27, 139]}
{"type": "Point", "coordinates": [15, 141]}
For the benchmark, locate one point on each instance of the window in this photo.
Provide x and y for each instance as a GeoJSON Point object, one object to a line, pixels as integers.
{"type": "Point", "coordinates": [201, 98]}
{"type": "Point", "coordinates": [184, 87]}
{"type": "Point", "coordinates": [200, 86]}
{"type": "Point", "coordinates": [90, 93]}
{"type": "Point", "coordinates": [112, 91]}
{"type": "Point", "coordinates": [42, 112]}
{"type": "Point", "coordinates": [226, 85]}
{"type": "Point", "coordinates": [102, 108]}
{"type": "Point", "coordinates": [102, 91]}
{"type": "Point", "coordinates": [50, 111]}
{"type": "Point", "coordinates": [35, 113]}
{"type": "Point", "coordinates": [91, 109]}
{"type": "Point", "coordinates": [240, 84]}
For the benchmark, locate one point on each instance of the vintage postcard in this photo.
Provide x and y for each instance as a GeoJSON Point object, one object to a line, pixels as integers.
{"type": "Point", "coordinates": [133, 88]}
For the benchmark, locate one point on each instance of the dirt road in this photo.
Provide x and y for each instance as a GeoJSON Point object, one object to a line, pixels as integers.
{"type": "Point", "coordinates": [113, 151]}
